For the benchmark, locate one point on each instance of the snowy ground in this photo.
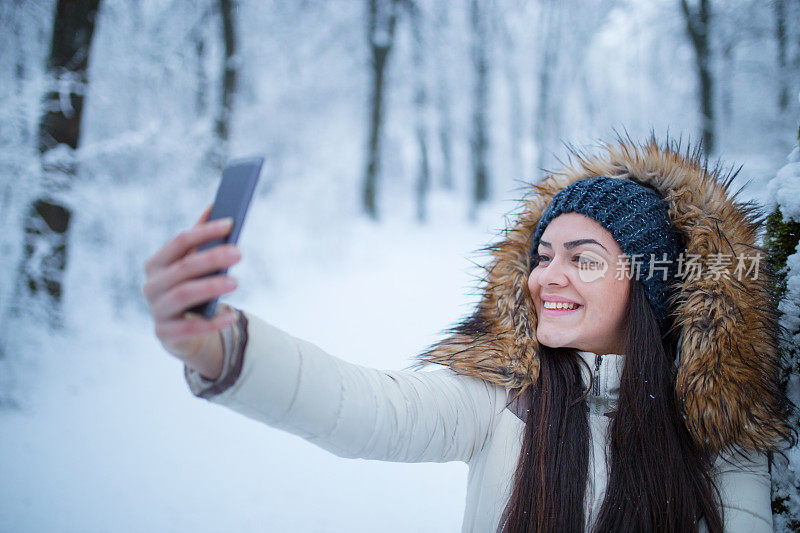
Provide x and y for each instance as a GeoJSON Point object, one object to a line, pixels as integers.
{"type": "Point", "coordinates": [108, 438]}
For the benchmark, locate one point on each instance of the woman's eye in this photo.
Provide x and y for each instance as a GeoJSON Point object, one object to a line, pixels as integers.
{"type": "Point", "coordinates": [538, 258]}
{"type": "Point", "coordinates": [584, 260]}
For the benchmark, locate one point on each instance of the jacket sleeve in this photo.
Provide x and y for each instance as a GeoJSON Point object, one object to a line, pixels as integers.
{"type": "Point", "coordinates": [744, 485]}
{"type": "Point", "coordinates": [354, 411]}
{"type": "Point", "coordinates": [234, 340]}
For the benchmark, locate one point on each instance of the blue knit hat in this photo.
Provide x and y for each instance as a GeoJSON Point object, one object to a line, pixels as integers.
{"type": "Point", "coordinates": [638, 219]}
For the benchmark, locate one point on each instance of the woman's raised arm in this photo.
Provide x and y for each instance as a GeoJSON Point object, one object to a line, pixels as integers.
{"type": "Point", "coordinates": [354, 411]}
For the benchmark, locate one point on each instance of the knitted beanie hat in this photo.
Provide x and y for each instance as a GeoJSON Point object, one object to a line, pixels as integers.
{"type": "Point", "coordinates": [637, 218]}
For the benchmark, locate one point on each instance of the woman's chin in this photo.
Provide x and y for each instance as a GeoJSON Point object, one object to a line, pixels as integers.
{"type": "Point", "coordinates": [552, 341]}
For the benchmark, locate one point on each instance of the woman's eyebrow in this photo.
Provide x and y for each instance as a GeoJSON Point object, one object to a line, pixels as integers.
{"type": "Point", "coordinates": [572, 244]}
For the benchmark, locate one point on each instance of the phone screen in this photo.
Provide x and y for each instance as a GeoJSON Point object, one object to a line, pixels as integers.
{"type": "Point", "coordinates": [233, 197]}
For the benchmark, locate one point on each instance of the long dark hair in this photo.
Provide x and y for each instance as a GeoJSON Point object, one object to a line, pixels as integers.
{"type": "Point", "coordinates": [659, 479]}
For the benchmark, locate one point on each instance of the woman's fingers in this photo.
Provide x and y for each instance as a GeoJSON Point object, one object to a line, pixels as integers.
{"type": "Point", "coordinates": [178, 278]}
{"type": "Point", "coordinates": [180, 330]}
{"type": "Point", "coordinates": [191, 266]}
{"type": "Point", "coordinates": [180, 245]}
{"type": "Point", "coordinates": [205, 214]}
{"type": "Point", "coordinates": [178, 299]}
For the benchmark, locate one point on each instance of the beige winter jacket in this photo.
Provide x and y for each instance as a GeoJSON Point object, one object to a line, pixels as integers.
{"type": "Point", "coordinates": [427, 416]}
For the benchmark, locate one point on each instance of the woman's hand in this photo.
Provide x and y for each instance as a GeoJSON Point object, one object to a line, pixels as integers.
{"type": "Point", "coordinates": [172, 287]}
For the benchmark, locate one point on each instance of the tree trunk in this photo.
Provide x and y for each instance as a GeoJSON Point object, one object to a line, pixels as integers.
{"type": "Point", "coordinates": [230, 71]}
{"type": "Point", "coordinates": [726, 84]}
{"type": "Point", "coordinates": [794, 10]}
{"type": "Point", "coordinates": [443, 97]}
{"type": "Point", "coordinates": [47, 219]}
{"type": "Point", "coordinates": [200, 103]}
{"type": "Point", "coordinates": [698, 27]}
{"type": "Point", "coordinates": [19, 75]}
{"type": "Point", "coordinates": [512, 76]}
{"type": "Point", "coordinates": [780, 38]}
{"type": "Point", "coordinates": [381, 22]}
{"type": "Point", "coordinates": [420, 111]}
{"type": "Point", "coordinates": [543, 117]}
{"type": "Point", "coordinates": [479, 141]}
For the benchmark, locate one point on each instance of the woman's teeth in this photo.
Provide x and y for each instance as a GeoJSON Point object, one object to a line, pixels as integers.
{"type": "Point", "coordinates": [560, 305]}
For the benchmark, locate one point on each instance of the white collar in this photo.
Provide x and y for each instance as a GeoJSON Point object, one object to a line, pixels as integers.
{"type": "Point", "coordinates": [603, 373]}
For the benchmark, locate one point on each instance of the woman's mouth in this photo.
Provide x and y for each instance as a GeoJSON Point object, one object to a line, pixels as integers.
{"type": "Point", "coordinates": [559, 308]}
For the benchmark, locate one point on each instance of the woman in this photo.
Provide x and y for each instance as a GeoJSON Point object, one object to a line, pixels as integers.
{"type": "Point", "coordinates": [603, 383]}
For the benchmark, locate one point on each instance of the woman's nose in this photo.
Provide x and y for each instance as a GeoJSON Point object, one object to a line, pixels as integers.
{"type": "Point", "coordinates": [552, 274]}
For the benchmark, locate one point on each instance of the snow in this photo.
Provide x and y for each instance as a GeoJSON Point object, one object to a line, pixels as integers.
{"type": "Point", "coordinates": [784, 190]}
{"type": "Point", "coordinates": [98, 430]}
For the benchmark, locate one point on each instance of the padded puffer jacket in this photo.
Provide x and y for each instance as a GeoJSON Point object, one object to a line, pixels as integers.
{"type": "Point", "coordinates": [430, 416]}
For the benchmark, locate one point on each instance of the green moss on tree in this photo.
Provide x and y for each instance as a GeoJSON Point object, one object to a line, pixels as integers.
{"type": "Point", "coordinates": [781, 241]}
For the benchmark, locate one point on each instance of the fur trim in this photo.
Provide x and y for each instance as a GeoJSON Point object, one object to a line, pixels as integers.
{"type": "Point", "coordinates": [728, 372]}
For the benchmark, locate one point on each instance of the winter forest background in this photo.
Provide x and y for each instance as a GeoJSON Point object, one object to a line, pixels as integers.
{"type": "Point", "coordinates": [398, 135]}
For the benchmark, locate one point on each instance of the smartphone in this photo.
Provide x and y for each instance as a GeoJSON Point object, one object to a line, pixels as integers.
{"type": "Point", "coordinates": [235, 190]}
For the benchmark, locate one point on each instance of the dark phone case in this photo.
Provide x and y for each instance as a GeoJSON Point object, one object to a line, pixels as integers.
{"type": "Point", "coordinates": [233, 198]}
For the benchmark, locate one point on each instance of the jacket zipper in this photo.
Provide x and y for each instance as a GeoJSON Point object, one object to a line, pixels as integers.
{"type": "Point", "coordinates": [597, 361]}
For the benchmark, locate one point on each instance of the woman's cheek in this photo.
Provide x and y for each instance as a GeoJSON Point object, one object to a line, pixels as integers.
{"type": "Point", "coordinates": [533, 287]}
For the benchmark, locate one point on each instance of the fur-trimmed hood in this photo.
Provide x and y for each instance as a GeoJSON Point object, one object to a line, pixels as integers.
{"type": "Point", "coordinates": [729, 364]}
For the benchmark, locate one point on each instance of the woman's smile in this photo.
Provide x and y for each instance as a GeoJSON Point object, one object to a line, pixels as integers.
{"type": "Point", "coordinates": [559, 307]}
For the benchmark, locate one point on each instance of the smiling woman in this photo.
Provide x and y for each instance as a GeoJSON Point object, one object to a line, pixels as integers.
{"type": "Point", "coordinates": [598, 385]}
{"type": "Point", "coordinates": [618, 313]}
{"type": "Point", "coordinates": [576, 307]}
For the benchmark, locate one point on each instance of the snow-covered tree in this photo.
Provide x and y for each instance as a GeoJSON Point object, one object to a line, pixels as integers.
{"type": "Point", "coordinates": [47, 220]}
{"type": "Point", "coordinates": [783, 244]}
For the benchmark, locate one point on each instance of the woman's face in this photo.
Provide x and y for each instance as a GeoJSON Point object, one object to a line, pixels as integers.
{"type": "Point", "coordinates": [580, 263]}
